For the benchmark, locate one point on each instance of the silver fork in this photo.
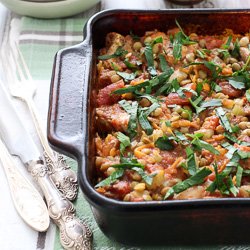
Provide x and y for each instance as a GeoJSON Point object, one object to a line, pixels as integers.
{"type": "Point", "coordinates": [22, 86]}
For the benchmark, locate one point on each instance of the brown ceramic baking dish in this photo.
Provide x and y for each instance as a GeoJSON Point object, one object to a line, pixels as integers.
{"type": "Point", "coordinates": [71, 128]}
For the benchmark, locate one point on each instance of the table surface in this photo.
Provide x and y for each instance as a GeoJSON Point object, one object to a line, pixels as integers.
{"type": "Point", "coordinates": [12, 221]}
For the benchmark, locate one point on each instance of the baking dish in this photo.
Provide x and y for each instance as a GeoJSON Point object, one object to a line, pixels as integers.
{"type": "Point", "coordinates": [71, 128]}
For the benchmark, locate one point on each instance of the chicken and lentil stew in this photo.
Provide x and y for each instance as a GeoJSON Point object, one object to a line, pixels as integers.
{"type": "Point", "coordinates": [173, 116]}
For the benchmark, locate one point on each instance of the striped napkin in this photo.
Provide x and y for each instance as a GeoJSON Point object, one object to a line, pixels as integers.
{"type": "Point", "coordinates": [39, 40]}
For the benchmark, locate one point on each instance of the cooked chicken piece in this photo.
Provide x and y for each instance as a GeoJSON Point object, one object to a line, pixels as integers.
{"type": "Point", "coordinates": [112, 118]}
{"type": "Point", "coordinates": [113, 41]}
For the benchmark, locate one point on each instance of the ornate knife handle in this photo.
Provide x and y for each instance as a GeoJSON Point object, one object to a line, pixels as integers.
{"type": "Point", "coordinates": [74, 234]}
{"type": "Point", "coordinates": [32, 210]}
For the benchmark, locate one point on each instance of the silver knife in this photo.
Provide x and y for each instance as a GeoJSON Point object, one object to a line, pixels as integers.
{"type": "Point", "coordinates": [27, 200]}
{"type": "Point", "coordinates": [74, 234]}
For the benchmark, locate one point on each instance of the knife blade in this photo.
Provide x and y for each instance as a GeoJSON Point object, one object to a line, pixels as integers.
{"type": "Point", "coordinates": [13, 132]}
{"type": "Point", "coordinates": [74, 234]}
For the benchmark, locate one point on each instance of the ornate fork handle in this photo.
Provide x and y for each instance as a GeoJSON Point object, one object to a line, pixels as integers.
{"type": "Point", "coordinates": [74, 234]}
{"type": "Point", "coordinates": [64, 178]}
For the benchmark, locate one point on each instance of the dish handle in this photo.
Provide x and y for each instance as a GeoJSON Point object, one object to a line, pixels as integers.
{"type": "Point", "coordinates": [68, 98]}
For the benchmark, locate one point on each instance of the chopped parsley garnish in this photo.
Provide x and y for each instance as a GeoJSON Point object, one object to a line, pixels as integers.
{"type": "Point", "coordinates": [222, 182]}
{"type": "Point", "coordinates": [236, 50]}
{"type": "Point", "coordinates": [200, 144]}
{"type": "Point", "coordinates": [111, 179]}
{"type": "Point", "coordinates": [227, 45]}
{"type": "Point", "coordinates": [194, 180]}
{"type": "Point", "coordinates": [200, 105]}
{"type": "Point", "coordinates": [163, 143]}
{"type": "Point", "coordinates": [239, 174]}
{"type": "Point", "coordinates": [232, 138]}
{"type": "Point", "coordinates": [238, 82]}
{"type": "Point", "coordinates": [163, 64]}
{"type": "Point", "coordinates": [126, 76]}
{"type": "Point", "coordinates": [248, 95]}
{"type": "Point", "coordinates": [150, 57]}
{"type": "Point", "coordinates": [119, 52]}
{"type": "Point", "coordinates": [191, 163]}
{"type": "Point", "coordinates": [124, 141]}
{"type": "Point", "coordinates": [221, 113]}
{"type": "Point", "coordinates": [132, 111]}
{"type": "Point", "coordinates": [180, 39]}
{"type": "Point", "coordinates": [147, 178]}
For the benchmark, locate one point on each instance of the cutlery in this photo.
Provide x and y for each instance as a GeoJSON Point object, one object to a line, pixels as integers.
{"type": "Point", "coordinates": [74, 234]}
{"type": "Point", "coordinates": [27, 200]}
{"type": "Point", "coordinates": [24, 88]}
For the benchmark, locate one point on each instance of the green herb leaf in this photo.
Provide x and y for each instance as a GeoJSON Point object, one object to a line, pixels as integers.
{"type": "Point", "coordinates": [243, 154]}
{"type": "Point", "coordinates": [221, 113]}
{"type": "Point", "coordinates": [151, 98]}
{"type": "Point", "coordinates": [199, 88]}
{"type": "Point", "coordinates": [238, 82]}
{"type": "Point", "coordinates": [196, 179]}
{"type": "Point", "coordinates": [163, 143]}
{"type": "Point", "coordinates": [214, 68]}
{"type": "Point", "coordinates": [147, 178]}
{"type": "Point", "coordinates": [227, 45]}
{"type": "Point", "coordinates": [130, 65]}
{"type": "Point", "coordinates": [128, 165]}
{"type": "Point", "coordinates": [134, 37]}
{"type": "Point", "coordinates": [181, 30]}
{"type": "Point", "coordinates": [132, 111]}
{"type": "Point", "coordinates": [126, 76]}
{"type": "Point", "coordinates": [235, 140]}
{"type": "Point", "coordinates": [231, 150]}
{"type": "Point", "coordinates": [207, 104]}
{"type": "Point", "coordinates": [236, 50]}
{"type": "Point", "coordinates": [223, 183]}
{"type": "Point", "coordinates": [200, 144]}
{"type": "Point", "coordinates": [239, 174]}
{"type": "Point", "coordinates": [151, 108]}
{"type": "Point", "coordinates": [158, 39]}
{"type": "Point", "coordinates": [218, 183]}
{"type": "Point", "coordinates": [215, 87]}
{"type": "Point", "coordinates": [195, 103]}
{"type": "Point", "coordinates": [119, 52]}
{"type": "Point", "coordinates": [163, 64]}
{"type": "Point", "coordinates": [231, 187]}
{"type": "Point", "coordinates": [177, 46]}
{"type": "Point", "coordinates": [150, 60]}
{"type": "Point", "coordinates": [168, 123]}
{"type": "Point", "coordinates": [142, 118]}
{"type": "Point", "coordinates": [248, 95]}
{"type": "Point", "coordinates": [111, 179]}
{"type": "Point", "coordinates": [124, 141]}
{"type": "Point", "coordinates": [191, 163]}
{"type": "Point", "coordinates": [211, 103]}
{"type": "Point", "coordinates": [224, 52]}
{"type": "Point", "coordinates": [180, 136]}
{"type": "Point", "coordinates": [201, 54]}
